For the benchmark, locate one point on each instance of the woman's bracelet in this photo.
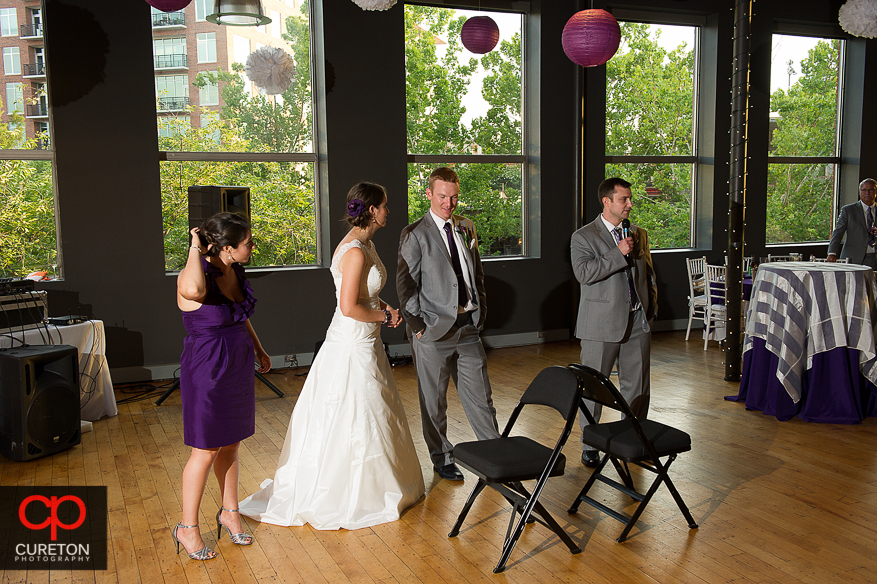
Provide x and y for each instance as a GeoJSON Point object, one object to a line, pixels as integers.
{"type": "Point", "coordinates": [195, 247]}
{"type": "Point", "coordinates": [387, 317]}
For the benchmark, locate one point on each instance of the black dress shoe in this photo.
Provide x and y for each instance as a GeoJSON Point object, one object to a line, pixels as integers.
{"type": "Point", "coordinates": [590, 458]}
{"type": "Point", "coordinates": [449, 471]}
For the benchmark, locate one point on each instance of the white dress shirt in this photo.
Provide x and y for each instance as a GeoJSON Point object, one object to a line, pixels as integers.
{"type": "Point", "coordinates": [461, 249]}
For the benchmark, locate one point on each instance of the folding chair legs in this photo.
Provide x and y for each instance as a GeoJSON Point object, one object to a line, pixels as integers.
{"type": "Point", "coordinates": [516, 528]}
{"type": "Point", "coordinates": [479, 486]}
{"type": "Point", "coordinates": [627, 488]}
{"type": "Point", "coordinates": [546, 519]}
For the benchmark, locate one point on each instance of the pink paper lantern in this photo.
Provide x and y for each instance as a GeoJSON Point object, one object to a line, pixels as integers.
{"type": "Point", "coordinates": [169, 5]}
{"type": "Point", "coordinates": [591, 37]}
{"type": "Point", "coordinates": [479, 34]}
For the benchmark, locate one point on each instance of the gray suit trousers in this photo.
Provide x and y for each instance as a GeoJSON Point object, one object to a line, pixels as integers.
{"type": "Point", "coordinates": [458, 355]}
{"type": "Point", "coordinates": [633, 355]}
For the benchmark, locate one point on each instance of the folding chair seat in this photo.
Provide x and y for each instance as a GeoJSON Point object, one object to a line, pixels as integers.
{"type": "Point", "coordinates": [502, 463]}
{"type": "Point", "coordinates": [627, 441]}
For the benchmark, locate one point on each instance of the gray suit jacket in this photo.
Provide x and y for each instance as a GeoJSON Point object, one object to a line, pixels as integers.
{"type": "Point", "coordinates": [851, 222]}
{"type": "Point", "coordinates": [599, 267]}
{"type": "Point", "coordinates": [425, 279]}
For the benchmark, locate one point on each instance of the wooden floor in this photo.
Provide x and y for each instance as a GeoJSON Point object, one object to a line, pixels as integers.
{"type": "Point", "coordinates": [776, 501]}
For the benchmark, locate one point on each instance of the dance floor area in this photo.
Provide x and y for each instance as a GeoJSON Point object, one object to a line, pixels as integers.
{"type": "Point", "coordinates": [776, 501]}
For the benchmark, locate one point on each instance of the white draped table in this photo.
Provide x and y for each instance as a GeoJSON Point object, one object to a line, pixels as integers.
{"type": "Point", "coordinates": [97, 398]}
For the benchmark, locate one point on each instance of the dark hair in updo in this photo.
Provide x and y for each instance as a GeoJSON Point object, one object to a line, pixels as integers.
{"type": "Point", "coordinates": [221, 230]}
{"type": "Point", "coordinates": [372, 195]}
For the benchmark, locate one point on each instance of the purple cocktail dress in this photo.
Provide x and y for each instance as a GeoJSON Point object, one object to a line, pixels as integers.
{"type": "Point", "coordinates": [217, 367]}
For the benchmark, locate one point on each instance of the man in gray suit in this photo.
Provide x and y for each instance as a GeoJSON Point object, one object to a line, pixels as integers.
{"type": "Point", "coordinates": [857, 222]}
{"type": "Point", "coordinates": [441, 295]}
{"type": "Point", "coordinates": [619, 299]}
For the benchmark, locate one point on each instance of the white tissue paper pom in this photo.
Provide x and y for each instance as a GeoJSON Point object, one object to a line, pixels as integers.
{"type": "Point", "coordinates": [859, 18]}
{"type": "Point", "coordinates": [271, 69]}
{"type": "Point", "coordinates": [374, 4]}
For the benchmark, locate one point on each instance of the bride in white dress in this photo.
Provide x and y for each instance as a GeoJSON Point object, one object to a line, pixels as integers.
{"type": "Point", "coordinates": [348, 460]}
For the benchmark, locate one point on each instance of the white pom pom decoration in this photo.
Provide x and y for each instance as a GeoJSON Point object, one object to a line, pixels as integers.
{"type": "Point", "coordinates": [374, 4]}
{"type": "Point", "coordinates": [859, 18]}
{"type": "Point", "coordinates": [271, 69]}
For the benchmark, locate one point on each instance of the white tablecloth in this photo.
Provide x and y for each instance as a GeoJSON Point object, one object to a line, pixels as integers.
{"type": "Point", "coordinates": [804, 308]}
{"type": "Point", "coordinates": [97, 398]}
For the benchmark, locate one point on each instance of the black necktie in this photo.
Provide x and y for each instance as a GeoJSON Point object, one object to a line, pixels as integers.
{"type": "Point", "coordinates": [463, 297]}
{"type": "Point", "coordinates": [872, 239]}
{"type": "Point", "coordinates": [631, 288]}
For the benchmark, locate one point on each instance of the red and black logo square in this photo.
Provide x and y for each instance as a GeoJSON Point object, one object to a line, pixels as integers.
{"type": "Point", "coordinates": [53, 528]}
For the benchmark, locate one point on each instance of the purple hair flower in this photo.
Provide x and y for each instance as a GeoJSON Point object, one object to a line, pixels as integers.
{"type": "Point", "coordinates": [355, 207]}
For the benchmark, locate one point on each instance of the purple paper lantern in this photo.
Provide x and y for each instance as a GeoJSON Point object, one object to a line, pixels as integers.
{"type": "Point", "coordinates": [479, 34]}
{"type": "Point", "coordinates": [591, 37]}
{"type": "Point", "coordinates": [169, 5]}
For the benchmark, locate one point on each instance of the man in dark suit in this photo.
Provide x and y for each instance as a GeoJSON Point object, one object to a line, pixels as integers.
{"type": "Point", "coordinates": [442, 298]}
{"type": "Point", "coordinates": [619, 299]}
{"type": "Point", "coordinates": [857, 222]}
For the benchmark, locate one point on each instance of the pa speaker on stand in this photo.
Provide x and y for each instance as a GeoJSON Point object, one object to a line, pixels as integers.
{"type": "Point", "coordinates": [39, 401]}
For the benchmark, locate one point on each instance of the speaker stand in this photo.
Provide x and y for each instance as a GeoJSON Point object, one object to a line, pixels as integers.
{"type": "Point", "coordinates": [176, 385]}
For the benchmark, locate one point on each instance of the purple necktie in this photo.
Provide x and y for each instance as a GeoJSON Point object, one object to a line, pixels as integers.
{"type": "Point", "coordinates": [872, 239]}
{"type": "Point", "coordinates": [463, 297]}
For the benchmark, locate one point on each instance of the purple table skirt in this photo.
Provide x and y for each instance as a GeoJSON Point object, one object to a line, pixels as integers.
{"type": "Point", "coordinates": [834, 391]}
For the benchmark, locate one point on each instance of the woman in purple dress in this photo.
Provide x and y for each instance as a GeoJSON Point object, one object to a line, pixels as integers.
{"type": "Point", "coordinates": [217, 376]}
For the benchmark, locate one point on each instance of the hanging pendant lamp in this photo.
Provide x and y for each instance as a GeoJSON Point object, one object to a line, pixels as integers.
{"type": "Point", "coordinates": [480, 34]}
{"type": "Point", "coordinates": [238, 13]}
{"type": "Point", "coordinates": [169, 5]}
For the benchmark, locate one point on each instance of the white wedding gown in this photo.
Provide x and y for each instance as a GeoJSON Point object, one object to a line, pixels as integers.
{"type": "Point", "coordinates": [348, 460]}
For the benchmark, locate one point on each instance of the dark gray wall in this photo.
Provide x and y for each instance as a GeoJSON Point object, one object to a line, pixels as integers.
{"type": "Point", "coordinates": [109, 215]}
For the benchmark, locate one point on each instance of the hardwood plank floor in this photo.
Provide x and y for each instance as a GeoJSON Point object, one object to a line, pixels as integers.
{"type": "Point", "coordinates": [787, 502]}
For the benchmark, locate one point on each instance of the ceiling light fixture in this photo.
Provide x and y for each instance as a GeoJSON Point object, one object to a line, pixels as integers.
{"type": "Point", "coordinates": [238, 13]}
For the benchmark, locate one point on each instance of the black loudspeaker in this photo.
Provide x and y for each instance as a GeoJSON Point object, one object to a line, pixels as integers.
{"type": "Point", "coordinates": [206, 201]}
{"type": "Point", "coordinates": [39, 401]}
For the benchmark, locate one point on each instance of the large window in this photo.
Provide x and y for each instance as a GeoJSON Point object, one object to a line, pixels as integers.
{"type": "Point", "coordinates": [28, 241]}
{"type": "Point", "coordinates": [11, 61]}
{"type": "Point", "coordinates": [650, 92]}
{"type": "Point", "coordinates": [14, 98]}
{"type": "Point", "coordinates": [8, 22]}
{"type": "Point", "coordinates": [803, 156]}
{"type": "Point", "coordinates": [466, 111]}
{"type": "Point", "coordinates": [207, 47]}
{"type": "Point", "coordinates": [170, 53]}
{"type": "Point", "coordinates": [264, 142]}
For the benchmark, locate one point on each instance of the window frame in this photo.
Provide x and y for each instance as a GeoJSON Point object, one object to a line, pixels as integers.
{"type": "Point", "coordinates": [9, 16]}
{"type": "Point", "coordinates": [836, 159]}
{"type": "Point", "coordinates": [530, 125]}
{"type": "Point", "coordinates": [207, 40]}
{"type": "Point", "coordinates": [699, 189]}
{"type": "Point", "coordinates": [15, 58]}
{"type": "Point", "coordinates": [317, 157]}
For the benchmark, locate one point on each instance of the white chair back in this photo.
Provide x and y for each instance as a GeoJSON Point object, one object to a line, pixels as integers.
{"type": "Point", "coordinates": [695, 268]}
{"type": "Point", "coordinates": [715, 284]}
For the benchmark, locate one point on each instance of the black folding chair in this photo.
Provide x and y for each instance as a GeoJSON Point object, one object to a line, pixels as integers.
{"type": "Point", "coordinates": [502, 463]}
{"type": "Point", "coordinates": [629, 440]}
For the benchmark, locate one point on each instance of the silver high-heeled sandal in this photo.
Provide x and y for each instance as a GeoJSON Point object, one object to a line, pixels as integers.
{"type": "Point", "coordinates": [238, 538]}
{"type": "Point", "coordinates": [204, 553]}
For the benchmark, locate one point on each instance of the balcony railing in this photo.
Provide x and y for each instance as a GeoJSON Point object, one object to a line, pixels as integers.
{"type": "Point", "coordinates": [171, 62]}
{"type": "Point", "coordinates": [31, 31]}
{"type": "Point", "coordinates": [37, 110]}
{"type": "Point", "coordinates": [169, 19]}
{"type": "Point", "coordinates": [172, 104]}
{"type": "Point", "coordinates": [33, 69]}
